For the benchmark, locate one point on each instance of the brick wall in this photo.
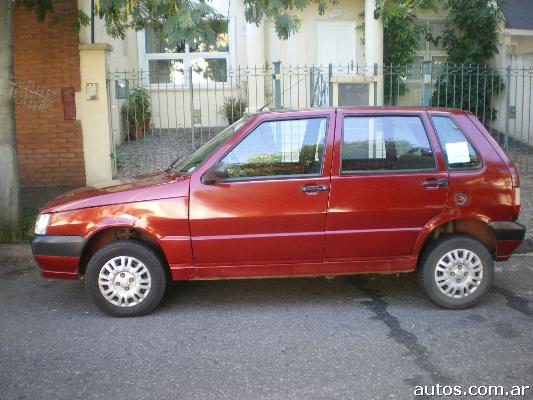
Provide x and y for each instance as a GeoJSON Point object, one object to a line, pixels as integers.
{"type": "Point", "coordinates": [50, 148]}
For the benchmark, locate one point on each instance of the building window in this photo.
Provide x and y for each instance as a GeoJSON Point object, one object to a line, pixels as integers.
{"type": "Point", "coordinates": [169, 63]}
{"type": "Point", "coordinates": [431, 50]}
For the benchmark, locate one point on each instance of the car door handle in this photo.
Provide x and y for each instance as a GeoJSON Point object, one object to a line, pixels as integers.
{"type": "Point", "coordinates": [315, 188]}
{"type": "Point", "coordinates": [435, 183]}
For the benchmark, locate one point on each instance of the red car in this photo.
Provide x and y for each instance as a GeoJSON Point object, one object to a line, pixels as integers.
{"type": "Point", "coordinates": [298, 193]}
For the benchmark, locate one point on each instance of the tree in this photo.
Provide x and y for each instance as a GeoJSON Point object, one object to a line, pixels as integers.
{"type": "Point", "coordinates": [9, 189]}
{"type": "Point", "coordinates": [400, 41]}
{"type": "Point", "coordinates": [400, 34]}
{"type": "Point", "coordinates": [470, 40]}
{"type": "Point", "coordinates": [285, 22]}
{"type": "Point", "coordinates": [471, 34]}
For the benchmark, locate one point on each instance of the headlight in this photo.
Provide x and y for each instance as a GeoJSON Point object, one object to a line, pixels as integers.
{"type": "Point", "coordinates": [41, 224]}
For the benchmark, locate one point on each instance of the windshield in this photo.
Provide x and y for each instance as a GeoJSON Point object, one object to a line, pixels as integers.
{"type": "Point", "coordinates": [192, 161]}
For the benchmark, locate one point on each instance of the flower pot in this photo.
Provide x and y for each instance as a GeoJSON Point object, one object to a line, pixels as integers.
{"type": "Point", "coordinates": [147, 122]}
{"type": "Point", "coordinates": [137, 132]}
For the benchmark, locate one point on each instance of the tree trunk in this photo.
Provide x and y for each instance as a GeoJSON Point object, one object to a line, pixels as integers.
{"type": "Point", "coordinates": [9, 190]}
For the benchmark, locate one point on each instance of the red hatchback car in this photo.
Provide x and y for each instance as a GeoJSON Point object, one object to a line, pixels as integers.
{"type": "Point", "coordinates": [298, 193]}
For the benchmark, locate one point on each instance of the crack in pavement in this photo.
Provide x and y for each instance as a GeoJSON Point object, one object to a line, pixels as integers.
{"type": "Point", "coordinates": [421, 354]}
{"type": "Point", "coordinates": [515, 301]}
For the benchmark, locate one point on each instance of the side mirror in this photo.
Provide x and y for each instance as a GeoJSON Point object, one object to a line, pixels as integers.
{"type": "Point", "coordinates": [216, 174]}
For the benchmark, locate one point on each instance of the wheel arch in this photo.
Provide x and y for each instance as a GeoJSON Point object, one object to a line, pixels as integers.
{"type": "Point", "coordinates": [476, 229]}
{"type": "Point", "coordinates": [110, 234]}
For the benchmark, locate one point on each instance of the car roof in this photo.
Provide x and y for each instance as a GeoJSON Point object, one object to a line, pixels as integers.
{"type": "Point", "coordinates": [361, 109]}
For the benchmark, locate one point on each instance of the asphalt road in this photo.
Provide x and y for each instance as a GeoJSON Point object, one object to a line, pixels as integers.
{"type": "Point", "coordinates": [367, 337]}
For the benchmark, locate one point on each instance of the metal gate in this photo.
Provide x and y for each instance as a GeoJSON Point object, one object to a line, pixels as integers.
{"type": "Point", "coordinates": [157, 116]}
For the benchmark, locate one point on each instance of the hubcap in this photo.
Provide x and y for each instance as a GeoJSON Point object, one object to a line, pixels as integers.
{"type": "Point", "coordinates": [459, 273]}
{"type": "Point", "coordinates": [124, 281]}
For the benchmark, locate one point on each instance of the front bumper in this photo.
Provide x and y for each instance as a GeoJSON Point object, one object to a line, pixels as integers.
{"type": "Point", "coordinates": [509, 235]}
{"type": "Point", "coordinates": [58, 256]}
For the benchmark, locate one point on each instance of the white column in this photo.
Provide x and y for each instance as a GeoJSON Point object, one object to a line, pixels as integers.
{"type": "Point", "coordinates": [255, 60]}
{"type": "Point", "coordinates": [93, 113]}
{"type": "Point", "coordinates": [374, 44]}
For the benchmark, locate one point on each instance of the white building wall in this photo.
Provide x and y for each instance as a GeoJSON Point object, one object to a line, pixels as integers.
{"type": "Point", "coordinates": [122, 57]}
{"type": "Point", "coordinates": [251, 47]}
{"type": "Point", "coordinates": [515, 50]}
{"type": "Point", "coordinates": [520, 90]}
{"type": "Point", "coordinates": [301, 48]}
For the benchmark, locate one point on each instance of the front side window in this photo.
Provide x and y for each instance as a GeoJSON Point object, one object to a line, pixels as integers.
{"type": "Point", "coordinates": [207, 57]}
{"type": "Point", "coordinates": [457, 150]}
{"type": "Point", "coordinates": [388, 143]}
{"type": "Point", "coordinates": [279, 148]}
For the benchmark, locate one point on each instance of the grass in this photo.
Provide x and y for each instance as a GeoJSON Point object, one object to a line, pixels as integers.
{"type": "Point", "coordinates": [24, 233]}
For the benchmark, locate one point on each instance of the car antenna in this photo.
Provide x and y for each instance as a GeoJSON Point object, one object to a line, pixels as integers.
{"type": "Point", "coordinates": [173, 163]}
{"type": "Point", "coordinates": [262, 107]}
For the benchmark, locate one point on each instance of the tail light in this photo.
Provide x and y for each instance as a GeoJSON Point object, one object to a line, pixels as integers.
{"type": "Point", "coordinates": [516, 202]}
{"type": "Point", "coordinates": [515, 178]}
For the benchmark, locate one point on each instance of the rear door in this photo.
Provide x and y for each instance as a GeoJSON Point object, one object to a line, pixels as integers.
{"type": "Point", "coordinates": [387, 184]}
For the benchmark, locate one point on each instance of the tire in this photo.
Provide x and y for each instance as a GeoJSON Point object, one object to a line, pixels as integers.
{"type": "Point", "coordinates": [456, 271]}
{"type": "Point", "coordinates": [126, 278]}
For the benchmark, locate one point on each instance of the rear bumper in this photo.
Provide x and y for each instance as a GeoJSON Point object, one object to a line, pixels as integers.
{"type": "Point", "coordinates": [58, 256]}
{"type": "Point", "coordinates": [509, 235]}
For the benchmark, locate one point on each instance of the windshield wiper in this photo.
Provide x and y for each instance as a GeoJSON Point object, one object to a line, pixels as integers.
{"type": "Point", "coordinates": [173, 163]}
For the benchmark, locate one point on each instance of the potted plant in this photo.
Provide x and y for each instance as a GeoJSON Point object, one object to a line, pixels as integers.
{"type": "Point", "coordinates": [139, 112]}
{"type": "Point", "coordinates": [234, 108]}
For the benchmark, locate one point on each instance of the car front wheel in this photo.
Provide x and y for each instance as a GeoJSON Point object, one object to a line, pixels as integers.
{"type": "Point", "coordinates": [125, 278]}
{"type": "Point", "coordinates": [456, 271]}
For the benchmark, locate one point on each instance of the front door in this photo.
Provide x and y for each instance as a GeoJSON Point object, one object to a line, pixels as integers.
{"type": "Point", "coordinates": [271, 208]}
{"type": "Point", "coordinates": [387, 184]}
{"type": "Point", "coordinates": [336, 43]}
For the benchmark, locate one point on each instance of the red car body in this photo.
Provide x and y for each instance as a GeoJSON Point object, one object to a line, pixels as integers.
{"type": "Point", "coordinates": [360, 223]}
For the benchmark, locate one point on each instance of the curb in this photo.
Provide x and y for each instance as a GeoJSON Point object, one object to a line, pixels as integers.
{"type": "Point", "coordinates": [526, 246]}
{"type": "Point", "coordinates": [16, 254]}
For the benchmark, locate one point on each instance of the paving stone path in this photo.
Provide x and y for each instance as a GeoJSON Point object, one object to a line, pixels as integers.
{"type": "Point", "coordinates": [158, 149]}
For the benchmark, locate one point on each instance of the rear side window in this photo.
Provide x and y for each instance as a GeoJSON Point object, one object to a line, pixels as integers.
{"type": "Point", "coordinates": [457, 149]}
{"type": "Point", "coordinates": [385, 143]}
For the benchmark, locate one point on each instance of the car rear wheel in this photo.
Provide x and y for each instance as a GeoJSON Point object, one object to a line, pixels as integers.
{"type": "Point", "coordinates": [125, 278]}
{"type": "Point", "coordinates": [456, 271]}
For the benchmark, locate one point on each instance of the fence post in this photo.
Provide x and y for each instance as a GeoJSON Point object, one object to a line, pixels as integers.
{"type": "Point", "coordinates": [277, 84]}
{"type": "Point", "coordinates": [426, 85]}
{"type": "Point", "coordinates": [191, 91]}
{"type": "Point", "coordinates": [330, 84]}
{"type": "Point", "coordinates": [312, 86]}
{"type": "Point", "coordinates": [507, 110]}
{"type": "Point", "coordinates": [375, 84]}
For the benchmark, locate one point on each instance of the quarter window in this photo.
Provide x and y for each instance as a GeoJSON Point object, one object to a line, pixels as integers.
{"type": "Point", "coordinates": [457, 149]}
{"type": "Point", "coordinates": [279, 148]}
{"type": "Point", "coordinates": [387, 143]}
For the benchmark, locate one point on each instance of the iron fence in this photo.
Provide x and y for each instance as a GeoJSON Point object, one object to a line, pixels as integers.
{"type": "Point", "coordinates": [159, 115]}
